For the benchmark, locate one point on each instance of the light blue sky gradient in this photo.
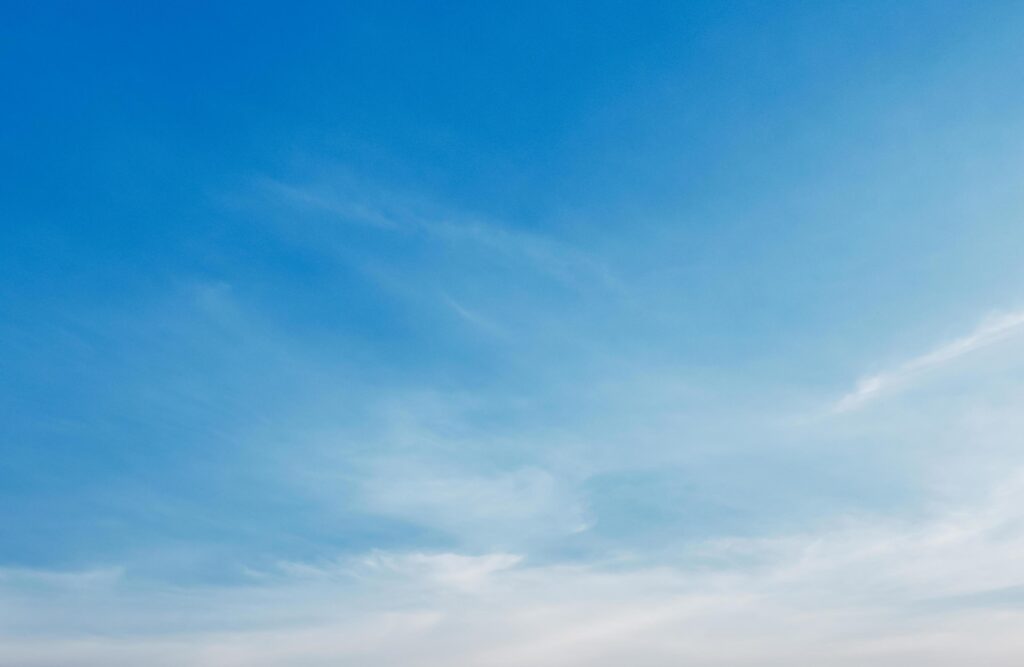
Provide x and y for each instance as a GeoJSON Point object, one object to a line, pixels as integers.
{"type": "Point", "coordinates": [506, 334]}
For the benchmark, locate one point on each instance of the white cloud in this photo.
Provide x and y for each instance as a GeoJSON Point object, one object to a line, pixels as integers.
{"type": "Point", "coordinates": [446, 570]}
{"type": "Point", "coordinates": [508, 508]}
{"type": "Point", "coordinates": [988, 333]}
{"type": "Point", "coordinates": [458, 571]}
{"type": "Point", "coordinates": [946, 591]}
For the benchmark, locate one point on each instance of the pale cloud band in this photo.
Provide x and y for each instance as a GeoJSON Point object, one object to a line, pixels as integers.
{"type": "Point", "coordinates": [941, 592]}
{"type": "Point", "coordinates": [990, 332]}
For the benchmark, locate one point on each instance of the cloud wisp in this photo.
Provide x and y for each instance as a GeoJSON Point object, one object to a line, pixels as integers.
{"type": "Point", "coordinates": [342, 200]}
{"type": "Point", "coordinates": [990, 332]}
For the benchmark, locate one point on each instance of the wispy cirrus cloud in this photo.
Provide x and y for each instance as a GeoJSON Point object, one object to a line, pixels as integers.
{"type": "Point", "coordinates": [339, 197]}
{"type": "Point", "coordinates": [989, 332]}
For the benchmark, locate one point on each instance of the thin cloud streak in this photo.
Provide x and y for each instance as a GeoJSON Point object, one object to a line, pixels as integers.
{"type": "Point", "coordinates": [374, 207]}
{"type": "Point", "coordinates": [988, 333]}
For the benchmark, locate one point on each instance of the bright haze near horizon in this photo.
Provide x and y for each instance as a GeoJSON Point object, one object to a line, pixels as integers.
{"type": "Point", "coordinates": [408, 334]}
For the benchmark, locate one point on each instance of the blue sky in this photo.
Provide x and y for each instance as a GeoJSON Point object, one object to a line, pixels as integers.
{"type": "Point", "coordinates": [503, 334]}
